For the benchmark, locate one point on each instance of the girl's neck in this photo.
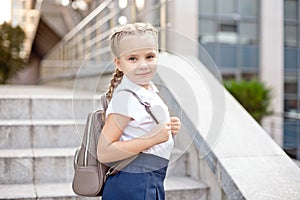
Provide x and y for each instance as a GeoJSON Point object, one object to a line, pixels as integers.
{"type": "Point", "coordinates": [147, 87]}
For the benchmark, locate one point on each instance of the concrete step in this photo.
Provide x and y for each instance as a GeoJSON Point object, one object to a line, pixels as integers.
{"type": "Point", "coordinates": [185, 188]}
{"type": "Point", "coordinates": [47, 191]}
{"type": "Point", "coordinates": [47, 165]}
{"type": "Point", "coordinates": [45, 108]}
{"type": "Point", "coordinates": [41, 102]}
{"type": "Point", "coordinates": [18, 134]}
{"type": "Point", "coordinates": [24, 166]}
{"type": "Point", "coordinates": [177, 188]}
{"type": "Point", "coordinates": [178, 164]}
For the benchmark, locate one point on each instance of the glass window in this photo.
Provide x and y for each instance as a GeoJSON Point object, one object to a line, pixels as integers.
{"type": "Point", "coordinates": [207, 6]}
{"type": "Point", "coordinates": [290, 35]}
{"type": "Point", "coordinates": [228, 56]}
{"type": "Point", "coordinates": [207, 30]}
{"type": "Point", "coordinates": [227, 7]}
{"type": "Point", "coordinates": [290, 88]}
{"type": "Point", "coordinates": [249, 8]}
{"type": "Point", "coordinates": [291, 9]}
{"type": "Point", "coordinates": [290, 105]}
{"type": "Point", "coordinates": [210, 49]}
{"type": "Point", "coordinates": [249, 33]}
{"type": "Point", "coordinates": [291, 128]}
{"type": "Point", "coordinates": [290, 58]}
{"type": "Point", "coordinates": [228, 27]}
{"type": "Point", "coordinates": [250, 56]}
{"type": "Point", "coordinates": [227, 32]}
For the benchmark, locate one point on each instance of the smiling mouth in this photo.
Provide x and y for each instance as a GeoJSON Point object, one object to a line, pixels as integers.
{"type": "Point", "coordinates": [144, 74]}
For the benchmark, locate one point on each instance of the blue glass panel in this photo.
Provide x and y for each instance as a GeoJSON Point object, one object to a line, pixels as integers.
{"type": "Point", "coordinates": [290, 134]}
{"type": "Point", "coordinates": [206, 6]}
{"type": "Point", "coordinates": [250, 57]}
{"type": "Point", "coordinates": [249, 8]}
{"type": "Point", "coordinates": [228, 56]}
{"type": "Point", "coordinates": [211, 49]}
{"type": "Point", "coordinates": [291, 9]}
{"type": "Point", "coordinates": [291, 137]}
{"type": "Point", "coordinates": [290, 58]}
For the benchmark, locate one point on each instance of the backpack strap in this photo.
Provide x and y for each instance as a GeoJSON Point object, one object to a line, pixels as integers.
{"type": "Point", "coordinates": [144, 103]}
{"type": "Point", "coordinates": [103, 101]}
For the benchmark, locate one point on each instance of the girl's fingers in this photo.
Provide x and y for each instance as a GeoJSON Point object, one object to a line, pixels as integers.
{"type": "Point", "coordinates": [175, 125]}
{"type": "Point", "coordinates": [175, 119]}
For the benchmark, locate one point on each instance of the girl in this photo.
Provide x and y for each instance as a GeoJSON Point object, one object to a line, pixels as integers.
{"type": "Point", "coordinates": [130, 130]}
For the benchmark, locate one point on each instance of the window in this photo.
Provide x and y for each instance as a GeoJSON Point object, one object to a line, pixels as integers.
{"type": "Point", "coordinates": [227, 27]}
{"type": "Point", "coordinates": [290, 91]}
{"type": "Point", "coordinates": [290, 88]}
{"type": "Point", "coordinates": [227, 7]}
{"type": "Point", "coordinates": [290, 35]}
{"type": "Point", "coordinates": [228, 30]}
{"type": "Point", "coordinates": [206, 6]}
{"type": "Point", "coordinates": [290, 105]}
{"type": "Point", "coordinates": [207, 31]}
{"type": "Point", "coordinates": [290, 58]}
{"type": "Point", "coordinates": [228, 56]}
{"type": "Point", "coordinates": [249, 33]}
{"type": "Point", "coordinates": [291, 9]}
{"type": "Point", "coordinates": [249, 8]}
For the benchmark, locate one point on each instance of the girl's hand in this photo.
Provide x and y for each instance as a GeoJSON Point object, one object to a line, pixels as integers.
{"type": "Point", "coordinates": [175, 125]}
{"type": "Point", "coordinates": [160, 133]}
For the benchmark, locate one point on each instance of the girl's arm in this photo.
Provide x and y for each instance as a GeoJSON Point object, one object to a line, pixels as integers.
{"type": "Point", "coordinates": [111, 149]}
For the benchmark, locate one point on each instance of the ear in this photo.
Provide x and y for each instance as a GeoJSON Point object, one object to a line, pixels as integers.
{"type": "Point", "coordinates": [117, 63]}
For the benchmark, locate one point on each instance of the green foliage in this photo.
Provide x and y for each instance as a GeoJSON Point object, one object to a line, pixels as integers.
{"type": "Point", "coordinates": [252, 95]}
{"type": "Point", "coordinates": [11, 41]}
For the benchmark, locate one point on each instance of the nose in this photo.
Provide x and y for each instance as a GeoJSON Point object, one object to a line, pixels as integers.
{"type": "Point", "coordinates": [143, 64]}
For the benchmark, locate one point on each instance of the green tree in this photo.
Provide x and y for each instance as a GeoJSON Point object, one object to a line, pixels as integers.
{"type": "Point", "coordinates": [11, 41]}
{"type": "Point", "coordinates": [253, 95]}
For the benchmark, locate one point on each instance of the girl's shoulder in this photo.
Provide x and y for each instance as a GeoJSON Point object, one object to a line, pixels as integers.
{"type": "Point", "coordinates": [124, 98]}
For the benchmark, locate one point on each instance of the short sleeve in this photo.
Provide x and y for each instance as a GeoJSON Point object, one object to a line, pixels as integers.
{"type": "Point", "coordinates": [123, 103]}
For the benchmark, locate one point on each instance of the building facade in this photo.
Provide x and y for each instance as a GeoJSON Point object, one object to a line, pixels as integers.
{"type": "Point", "coordinates": [259, 39]}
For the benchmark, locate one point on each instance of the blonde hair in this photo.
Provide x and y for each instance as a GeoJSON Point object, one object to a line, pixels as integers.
{"type": "Point", "coordinates": [117, 35]}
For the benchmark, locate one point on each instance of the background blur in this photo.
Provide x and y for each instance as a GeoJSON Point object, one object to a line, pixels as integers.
{"type": "Point", "coordinates": [66, 40]}
{"type": "Point", "coordinates": [245, 38]}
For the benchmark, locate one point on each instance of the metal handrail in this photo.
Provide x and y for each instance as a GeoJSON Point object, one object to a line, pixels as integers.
{"type": "Point", "coordinates": [81, 25]}
{"type": "Point", "coordinates": [76, 46]}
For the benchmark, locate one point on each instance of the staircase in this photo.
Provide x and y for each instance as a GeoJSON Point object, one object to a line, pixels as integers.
{"type": "Point", "coordinates": [38, 138]}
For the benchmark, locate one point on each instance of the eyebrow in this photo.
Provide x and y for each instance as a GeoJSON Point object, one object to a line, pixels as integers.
{"type": "Point", "coordinates": [132, 54]}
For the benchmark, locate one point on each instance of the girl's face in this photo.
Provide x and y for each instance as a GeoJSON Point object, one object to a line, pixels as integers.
{"type": "Point", "coordinates": [139, 64]}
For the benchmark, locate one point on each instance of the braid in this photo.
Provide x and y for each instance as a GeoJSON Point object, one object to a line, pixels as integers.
{"type": "Point", "coordinates": [114, 82]}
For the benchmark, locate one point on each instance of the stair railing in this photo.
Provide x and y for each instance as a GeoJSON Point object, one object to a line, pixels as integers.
{"type": "Point", "coordinates": [87, 42]}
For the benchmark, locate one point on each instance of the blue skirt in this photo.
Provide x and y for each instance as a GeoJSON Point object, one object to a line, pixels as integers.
{"type": "Point", "coordinates": [142, 179]}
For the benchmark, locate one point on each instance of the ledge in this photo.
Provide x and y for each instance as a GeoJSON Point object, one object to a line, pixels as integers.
{"type": "Point", "coordinates": [246, 162]}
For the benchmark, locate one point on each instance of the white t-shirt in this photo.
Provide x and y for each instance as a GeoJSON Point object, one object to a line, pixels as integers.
{"type": "Point", "coordinates": [124, 103]}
